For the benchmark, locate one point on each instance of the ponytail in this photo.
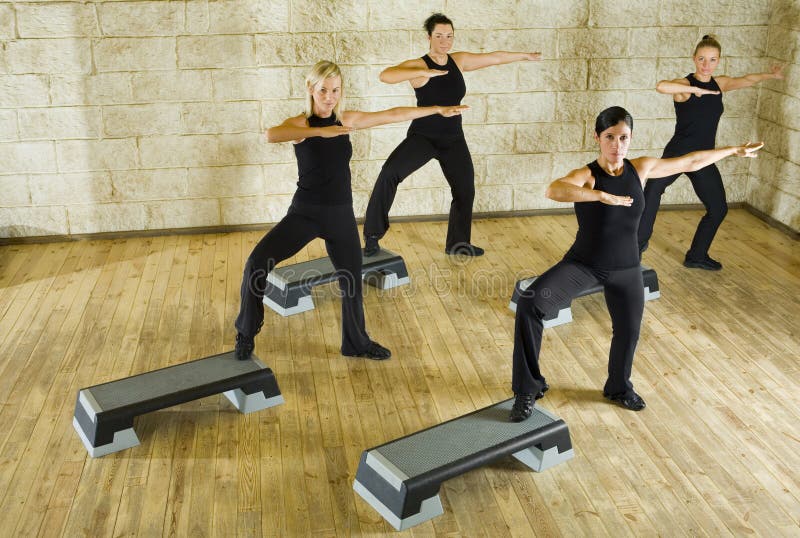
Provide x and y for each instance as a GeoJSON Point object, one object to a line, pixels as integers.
{"type": "Point", "coordinates": [709, 40]}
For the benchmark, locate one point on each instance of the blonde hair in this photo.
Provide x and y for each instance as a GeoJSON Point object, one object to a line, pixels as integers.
{"type": "Point", "coordinates": [709, 40]}
{"type": "Point", "coordinates": [322, 70]}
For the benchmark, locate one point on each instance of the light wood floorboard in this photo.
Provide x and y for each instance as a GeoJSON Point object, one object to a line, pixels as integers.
{"type": "Point", "coordinates": [716, 452]}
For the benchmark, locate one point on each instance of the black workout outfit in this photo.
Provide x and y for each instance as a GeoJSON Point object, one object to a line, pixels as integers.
{"type": "Point", "coordinates": [322, 207]}
{"type": "Point", "coordinates": [431, 137]}
{"type": "Point", "coordinates": [695, 129]}
{"type": "Point", "coordinates": [605, 251]}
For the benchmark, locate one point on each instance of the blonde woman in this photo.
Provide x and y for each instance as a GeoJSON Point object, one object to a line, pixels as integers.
{"type": "Point", "coordinates": [322, 207]}
{"type": "Point", "coordinates": [698, 107]}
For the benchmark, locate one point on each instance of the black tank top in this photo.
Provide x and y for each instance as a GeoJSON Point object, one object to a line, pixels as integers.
{"type": "Point", "coordinates": [323, 166]}
{"type": "Point", "coordinates": [607, 235]}
{"type": "Point", "coordinates": [444, 90]}
{"type": "Point", "coordinates": [697, 120]}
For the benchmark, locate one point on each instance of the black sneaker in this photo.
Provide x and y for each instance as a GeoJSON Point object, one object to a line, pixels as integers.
{"type": "Point", "coordinates": [464, 249]}
{"type": "Point", "coordinates": [244, 347]}
{"type": "Point", "coordinates": [707, 263]}
{"type": "Point", "coordinates": [633, 402]}
{"type": "Point", "coordinates": [522, 408]}
{"type": "Point", "coordinates": [540, 394]}
{"type": "Point", "coordinates": [374, 351]}
{"type": "Point", "coordinates": [371, 246]}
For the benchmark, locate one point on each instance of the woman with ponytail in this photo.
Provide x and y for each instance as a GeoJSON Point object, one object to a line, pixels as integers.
{"type": "Point", "coordinates": [698, 106]}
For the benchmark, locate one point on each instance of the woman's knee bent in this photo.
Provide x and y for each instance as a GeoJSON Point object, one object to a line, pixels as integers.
{"type": "Point", "coordinates": [391, 174]}
{"type": "Point", "coordinates": [717, 212]}
{"type": "Point", "coordinates": [532, 303]}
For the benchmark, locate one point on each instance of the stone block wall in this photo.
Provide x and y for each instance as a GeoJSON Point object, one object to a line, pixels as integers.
{"type": "Point", "coordinates": [774, 186]}
{"type": "Point", "coordinates": [142, 115]}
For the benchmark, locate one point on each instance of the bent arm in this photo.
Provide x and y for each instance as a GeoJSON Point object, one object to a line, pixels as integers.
{"type": "Point", "coordinates": [362, 120]}
{"type": "Point", "coordinates": [674, 86]}
{"type": "Point", "coordinates": [648, 167]}
{"type": "Point", "coordinates": [681, 90]}
{"type": "Point", "coordinates": [577, 186]}
{"type": "Point", "coordinates": [297, 129]}
{"type": "Point", "coordinates": [408, 70]}
{"type": "Point", "coordinates": [469, 61]}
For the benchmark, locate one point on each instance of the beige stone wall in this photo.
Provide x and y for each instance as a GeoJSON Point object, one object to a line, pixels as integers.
{"type": "Point", "coordinates": [118, 115]}
{"type": "Point", "coordinates": [774, 186]}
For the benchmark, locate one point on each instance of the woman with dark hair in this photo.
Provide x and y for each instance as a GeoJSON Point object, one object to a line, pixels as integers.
{"type": "Point", "coordinates": [437, 80]}
{"type": "Point", "coordinates": [321, 207]}
{"type": "Point", "coordinates": [609, 200]}
{"type": "Point", "coordinates": [698, 107]}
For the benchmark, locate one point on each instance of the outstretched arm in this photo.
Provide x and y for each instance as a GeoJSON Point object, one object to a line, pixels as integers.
{"type": "Point", "coordinates": [648, 167]}
{"type": "Point", "coordinates": [355, 119]}
{"type": "Point", "coordinates": [727, 84]}
{"type": "Point", "coordinates": [681, 90]}
{"type": "Point", "coordinates": [578, 186]}
{"type": "Point", "coordinates": [297, 129]}
{"type": "Point", "coordinates": [409, 70]}
{"type": "Point", "coordinates": [469, 61]}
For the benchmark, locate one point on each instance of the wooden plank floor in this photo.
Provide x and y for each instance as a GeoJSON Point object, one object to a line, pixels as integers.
{"type": "Point", "coordinates": [716, 452]}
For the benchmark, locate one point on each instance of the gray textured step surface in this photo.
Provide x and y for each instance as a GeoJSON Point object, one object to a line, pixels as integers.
{"type": "Point", "coordinates": [288, 289]}
{"type": "Point", "coordinates": [104, 413]}
{"type": "Point", "coordinates": [401, 479]}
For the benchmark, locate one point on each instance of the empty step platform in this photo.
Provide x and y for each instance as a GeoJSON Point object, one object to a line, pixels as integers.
{"type": "Point", "coordinates": [288, 288]}
{"type": "Point", "coordinates": [564, 314]}
{"type": "Point", "coordinates": [104, 413]}
{"type": "Point", "coordinates": [401, 479]}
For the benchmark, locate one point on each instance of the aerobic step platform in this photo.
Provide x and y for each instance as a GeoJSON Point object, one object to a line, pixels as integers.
{"type": "Point", "coordinates": [401, 479]}
{"type": "Point", "coordinates": [104, 413]}
{"type": "Point", "coordinates": [564, 314]}
{"type": "Point", "coordinates": [288, 289]}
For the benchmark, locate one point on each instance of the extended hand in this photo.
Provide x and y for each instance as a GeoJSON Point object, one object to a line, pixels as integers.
{"type": "Point", "coordinates": [334, 130]}
{"type": "Point", "coordinates": [448, 111]}
{"type": "Point", "coordinates": [611, 199]}
{"type": "Point", "coordinates": [750, 149]}
{"type": "Point", "coordinates": [534, 56]}
{"type": "Point", "coordinates": [428, 73]}
{"type": "Point", "coordinates": [777, 71]}
{"type": "Point", "coordinates": [699, 92]}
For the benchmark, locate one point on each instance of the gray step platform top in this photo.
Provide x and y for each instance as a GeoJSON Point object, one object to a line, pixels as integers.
{"type": "Point", "coordinates": [158, 383]}
{"type": "Point", "coordinates": [321, 267]}
{"type": "Point", "coordinates": [401, 479]}
{"type": "Point", "coordinates": [454, 440]}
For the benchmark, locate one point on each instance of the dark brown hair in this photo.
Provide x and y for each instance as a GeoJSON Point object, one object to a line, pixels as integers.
{"type": "Point", "coordinates": [436, 18]}
{"type": "Point", "coordinates": [610, 117]}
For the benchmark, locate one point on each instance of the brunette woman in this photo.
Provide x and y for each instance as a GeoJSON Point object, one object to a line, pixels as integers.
{"type": "Point", "coordinates": [437, 79]}
{"type": "Point", "coordinates": [609, 200]}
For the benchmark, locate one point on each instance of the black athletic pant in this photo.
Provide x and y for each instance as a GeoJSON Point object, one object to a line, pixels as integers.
{"type": "Point", "coordinates": [412, 153]}
{"type": "Point", "coordinates": [304, 222]}
{"type": "Point", "coordinates": [707, 183]}
{"type": "Point", "coordinates": [624, 293]}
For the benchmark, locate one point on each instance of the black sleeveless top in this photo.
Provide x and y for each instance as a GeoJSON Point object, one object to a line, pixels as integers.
{"type": "Point", "coordinates": [697, 120]}
{"type": "Point", "coordinates": [323, 166]}
{"type": "Point", "coordinates": [444, 90]}
{"type": "Point", "coordinates": [607, 235]}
